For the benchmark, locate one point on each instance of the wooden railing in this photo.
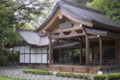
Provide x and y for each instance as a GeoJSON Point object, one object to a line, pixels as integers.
{"type": "Point", "coordinates": [104, 62]}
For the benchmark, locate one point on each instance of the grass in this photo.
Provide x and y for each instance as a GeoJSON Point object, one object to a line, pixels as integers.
{"type": "Point", "coordinates": [38, 71]}
{"type": "Point", "coordinates": [6, 78]}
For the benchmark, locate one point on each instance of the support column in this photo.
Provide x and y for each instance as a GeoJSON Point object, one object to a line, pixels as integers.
{"type": "Point", "coordinates": [100, 50]}
{"type": "Point", "coordinates": [87, 50]}
{"type": "Point", "coordinates": [50, 51]}
{"type": "Point", "coordinates": [59, 54]}
{"type": "Point", "coordinates": [80, 52]}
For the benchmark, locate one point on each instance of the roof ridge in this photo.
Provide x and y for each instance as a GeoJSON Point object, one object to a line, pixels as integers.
{"type": "Point", "coordinates": [83, 7]}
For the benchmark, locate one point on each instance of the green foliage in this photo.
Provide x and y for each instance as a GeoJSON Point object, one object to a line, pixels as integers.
{"type": "Point", "coordinates": [38, 71]}
{"type": "Point", "coordinates": [6, 78]}
{"type": "Point", "coordinates": [99, 77]}
{"type": "Point", "coordinates": [27, 26]}
{"type": "Point", "coordinates": [3, 60]}
{"type": "Point", "coordinates": [8, 58]}
{"type": "Point", "coordinates": [16, 14]}
{"type": "Point", "coordinates": [8, 24]}
{"type": "Point", "coordinates": [33, 11]}
{"type": "Point", "coordinates": [110, 7]}
{"type": "Point", "coordinates": [113, 76]}
{"type": "Point", "coordinates": [83, 2]}
{"type": "Point", "coordinates": [72, 75]}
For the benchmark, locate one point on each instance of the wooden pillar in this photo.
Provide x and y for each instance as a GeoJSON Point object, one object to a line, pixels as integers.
{"type": "Point", "coordinates": [59, 55]}
{"type": "Point", "coordinates": [87, 50]}
{"type": "Point", "coordinates": [116, 52]}
{"type": "Point", "coordinates": [100, 50]}
{"type": "Point", "coordinates": [50, 51]}
{"type": "Point", "coordinates": [80, 52]}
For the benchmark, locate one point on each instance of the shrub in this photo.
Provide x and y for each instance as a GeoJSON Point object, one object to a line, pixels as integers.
{"type": "Point", "coordinates": [99, 77]}
{"type": "Point", "coordinates": [83, 76]}
{"type": "Point", "coordinates": [113, 76]}
{"type": "Point", "coordinates": [38, 71]}
{"type": "Point", "coordinates": [3, 60]}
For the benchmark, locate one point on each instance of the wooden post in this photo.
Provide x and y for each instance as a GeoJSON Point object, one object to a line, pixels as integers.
{"type": "Point", "coordinates": [59, 55]}
{"type": "Point", "coordinates": [80, 52]}
{"type": "Point", "coordinates": [87, 50]}
{"type": "Point", "coordinates": [50, 50]}
{"type": "Point", "coordinates": [100, 50]}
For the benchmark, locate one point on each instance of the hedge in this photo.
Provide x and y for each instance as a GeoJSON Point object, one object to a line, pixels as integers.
{"type": "Point", "coordinates": [111, 76]}
{"type": "Point", "coordinates": [99, 77]}
{"type": "Point", "coordinates": [38, 71]}
{"type": "Point", "coordinates": [72, 75]}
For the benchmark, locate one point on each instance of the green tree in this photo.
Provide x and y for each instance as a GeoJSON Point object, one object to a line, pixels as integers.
{"type": "Point", "coordinates": [8, 24]}
{"type": "Point", "coordinates": [17, 14]}
{"type": "Point", "coordinates": [83, 2]}
{"type": "Point", "coordinates": [33, 12]}
{"type": "Point", "coordinates": [110, 7]}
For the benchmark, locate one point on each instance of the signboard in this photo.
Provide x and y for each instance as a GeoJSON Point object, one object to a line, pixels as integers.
{"type": "Point", "coordinates": [65, 25]}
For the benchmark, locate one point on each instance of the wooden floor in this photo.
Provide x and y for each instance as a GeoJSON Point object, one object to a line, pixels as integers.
{"type": "Point", "coordinates": [76, 69]}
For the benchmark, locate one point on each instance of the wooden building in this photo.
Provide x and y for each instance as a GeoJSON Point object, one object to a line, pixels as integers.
{"type": "Point", "coordinates": [99, 38]}
{"type": "Point", "coordinates": [34, 48]}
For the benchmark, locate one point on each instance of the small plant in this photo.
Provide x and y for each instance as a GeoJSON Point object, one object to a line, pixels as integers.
{"type": "Point", "coordinates": [99, 77]}
{"type": "Point", "coordinates": [72, 75]}
{"type": "Point", "coordinates": [38, 71]}
{"type": "Point", "coordinates": [113, 76]}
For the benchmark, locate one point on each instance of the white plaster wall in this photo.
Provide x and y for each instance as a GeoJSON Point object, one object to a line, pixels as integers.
{"type": "Point", "coordinates": [38, 58]}
{"type": "Point", "coordinates": [27, 49]}
{"type": "Point", "coordinates": [26, 58]}
{"type": "Point", "coordinates": [33, 58]}
{"type": "Point", "coordinates": [21, 58]}
{"type": "Point", "coordinates": [44, 50]}
{"type": "Point", "coordinates": [16, 49]}
{"type": "Point", "coordinates": [38, 50]}
{"type": "Point", "coordinates": [44, 58]}
{"type": "Point", "coordinates": [21, 49]}
{"type": "Point", "coordinates": [33, 50]}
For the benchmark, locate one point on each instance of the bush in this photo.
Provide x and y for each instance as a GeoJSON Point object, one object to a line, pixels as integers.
{"type": "Point", "coordinates": [8, 57]}
{"type": "Point", "coordinates": [83, 76]}
{"type": "Point", "coordinates": [113, 76]}
{"type": "Point", "coordinates": [38, 71]}
{"type": "Point", "coordinates": [65, 74]}
{"type": "Point", "coordinates": [3, 60]}
{"type": "Point", "coordinates": [99, 77]}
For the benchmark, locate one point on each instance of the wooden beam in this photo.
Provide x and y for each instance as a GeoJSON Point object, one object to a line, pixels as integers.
{"type": "Point", "coordinates": [68, 29]}
{"type": "Point", "coordinates": [50, 50]}
{"type": "Point", "coordinates": [87, 50]}
{"type": "Point", "coordinates": [69, 39]}
{"type": "Point", "coordinates": [92, 37]}
{"type": "Point", "coordinates": [100, 50]}
{"type": "Point", "coordinates": [80, 52]}
{"type": "Point", "coordinates": [65, 36]}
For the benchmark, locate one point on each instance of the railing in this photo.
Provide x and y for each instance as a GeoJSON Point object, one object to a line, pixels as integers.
{"type": "Point", "coordinates": [92, 62]}
{"type": "Point", "coordinates": [104, 62]}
